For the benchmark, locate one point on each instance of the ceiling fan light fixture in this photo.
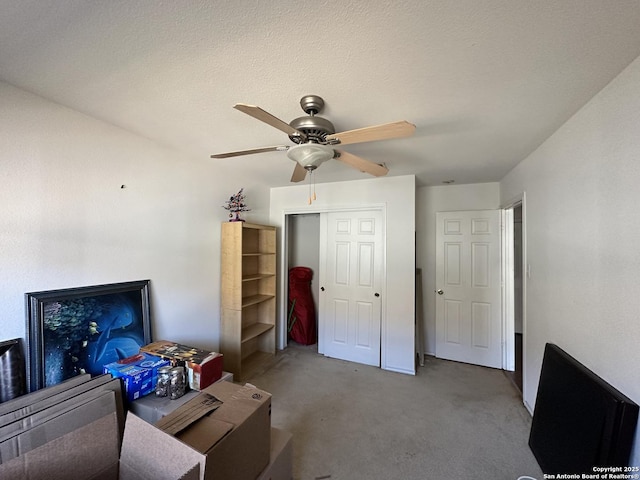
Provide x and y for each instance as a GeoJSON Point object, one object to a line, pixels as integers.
{"type": "Point", "coordinates": [315, 136]}
{"type": "Point", "coordinates": [310, 155]}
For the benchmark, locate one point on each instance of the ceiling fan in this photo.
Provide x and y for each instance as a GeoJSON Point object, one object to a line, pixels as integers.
{"type": "Point", "coordinates": [315, 138]}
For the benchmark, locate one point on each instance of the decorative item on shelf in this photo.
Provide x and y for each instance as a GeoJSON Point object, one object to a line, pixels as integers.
{"type": "Point", "coordinates": [235, 205]}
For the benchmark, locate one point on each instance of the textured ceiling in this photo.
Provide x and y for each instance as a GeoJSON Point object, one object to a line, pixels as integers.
{"type": "Point", "coordinates": [484, 81]}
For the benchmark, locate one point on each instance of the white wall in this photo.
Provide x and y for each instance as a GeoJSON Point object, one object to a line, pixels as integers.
{"type": "Point", "coordinates": [65, 222]}
{"type": "Point", "coordinates": [582, 221]}
{"type": "Point", "coordinates": [429, 201]}
{"type": "Point", "coordinates": [397, 196]}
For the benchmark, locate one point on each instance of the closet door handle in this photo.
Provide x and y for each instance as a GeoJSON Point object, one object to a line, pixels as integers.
{"type": "Point", "coordinates": [322, 288]}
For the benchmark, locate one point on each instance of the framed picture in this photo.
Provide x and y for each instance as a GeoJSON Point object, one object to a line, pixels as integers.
{"type": "Point", "coordinates": [78, 330]}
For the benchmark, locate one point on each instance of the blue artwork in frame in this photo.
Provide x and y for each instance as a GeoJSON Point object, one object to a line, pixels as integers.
{"type": "Point", "coordinates": [79, 330]}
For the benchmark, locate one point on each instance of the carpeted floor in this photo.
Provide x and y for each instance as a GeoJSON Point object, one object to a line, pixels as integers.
{"type": "Point", "coordinates": [351, 421]}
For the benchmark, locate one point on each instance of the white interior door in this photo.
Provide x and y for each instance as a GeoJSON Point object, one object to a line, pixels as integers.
{"type": "Point", "coordinates": [468, 287]}
{"type": "Point", "coordinates": [350, 296]}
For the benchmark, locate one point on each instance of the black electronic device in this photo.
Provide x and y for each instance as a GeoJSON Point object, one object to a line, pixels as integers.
{"type": "Point", "coordinates": [579, 421]}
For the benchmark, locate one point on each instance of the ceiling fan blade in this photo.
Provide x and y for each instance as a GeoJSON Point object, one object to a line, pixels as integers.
{"type": "Point", "coordinates": [361, 164]}
{"type": "Point", "coordinates": [266, 117]}
{"type": "Point", "coordinates": [299, 173]}
{"type": "Point", "coordinates": [278, 148]}
{"type": "Point", "coordinates": [377, 132]}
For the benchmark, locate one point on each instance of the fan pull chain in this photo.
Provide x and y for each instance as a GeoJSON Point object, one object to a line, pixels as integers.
{"type": "Point", "coordinates": [312, 187]}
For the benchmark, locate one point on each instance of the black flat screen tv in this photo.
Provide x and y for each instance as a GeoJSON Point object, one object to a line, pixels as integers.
{"type": "Point", "coordinates": [579, 420]}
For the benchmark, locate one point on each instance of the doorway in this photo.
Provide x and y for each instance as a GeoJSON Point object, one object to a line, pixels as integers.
{"type": "Point", "coordinates": [518, 293]}
{"type": "Point", "coordinates": [303, 250]}
{"type": "Point", "coordinates": [514, 293]}
{"type": "Point", "coordinates": [469, 290]}
{"type": "Point", "coordinates": [351, 274]}
{"type": "Point", "coordinates": [348, 322]}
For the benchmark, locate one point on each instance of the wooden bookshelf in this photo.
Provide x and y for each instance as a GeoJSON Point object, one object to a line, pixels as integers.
{"type": "Point", "coordinates": [248, 297]}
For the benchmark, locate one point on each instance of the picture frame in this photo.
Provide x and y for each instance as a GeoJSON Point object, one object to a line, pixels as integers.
{"type": "Point", "coordinates": [79, 330]}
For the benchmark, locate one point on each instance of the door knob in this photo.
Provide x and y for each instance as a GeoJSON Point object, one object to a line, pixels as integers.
{"type": "Point", "coordinates": [322, 288]}
{"type": "Point", "coordinates": [377, 294]}
{"type": "Point", "coordinates": [439, 291]}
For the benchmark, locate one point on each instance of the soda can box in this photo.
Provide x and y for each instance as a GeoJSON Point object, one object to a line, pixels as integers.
{"type": "Point", "coordinates": [203, 367]}
{"type": "Point", "coordinates": [139, 373]}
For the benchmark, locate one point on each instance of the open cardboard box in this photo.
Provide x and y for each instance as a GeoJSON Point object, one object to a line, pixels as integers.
{"type": "Point", "coordinates": [234, 436]}
{"type": "Point", "coordinates": [238, 447]}
{"type": "Point", "coordinates": [150, 454]}
{"type": "Point", "coordinates": [91, 453]}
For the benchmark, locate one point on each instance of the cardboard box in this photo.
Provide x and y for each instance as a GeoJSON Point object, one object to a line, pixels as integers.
{"type": "Point", "coordinates": [86, 450]}
{"type": "Point", "coordinates": [91, 452]}
{"type": "Point", "coordinates": [281, 457]}
{"type": "Point", "coordinates": [235, 436]}
{"type": "Point", "coordinates": [35, 431]}
{"type": "Point", "coordinates": [139, 373]}
{"type": "Point", "coordinates": [76, 434]}
{"type": "Point", "coordinates": [38, 412]}
{"type": "Point", "coordinates": [152, 408]}
{"type": "Point", "coordinates": [150, 454]}
{"type": "Point", "coordinates": [25, 400]}
{"type": "Point", "coordinates": [203, 367]}
{"type": "Point", "coordinates": [33, 403]}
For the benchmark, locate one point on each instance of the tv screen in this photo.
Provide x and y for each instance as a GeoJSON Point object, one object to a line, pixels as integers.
{"type": "Point", "coordinates": [579, 420]}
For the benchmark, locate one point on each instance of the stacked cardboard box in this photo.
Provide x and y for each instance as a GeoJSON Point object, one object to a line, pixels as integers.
{"type": "Point", "coordinates": [230, 425]}
{"type": "Point", "coordinates": [75, 430]}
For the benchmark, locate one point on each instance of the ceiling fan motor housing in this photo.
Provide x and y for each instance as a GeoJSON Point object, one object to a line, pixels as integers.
{"type": "Point", "coordinates": [315, 128]}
